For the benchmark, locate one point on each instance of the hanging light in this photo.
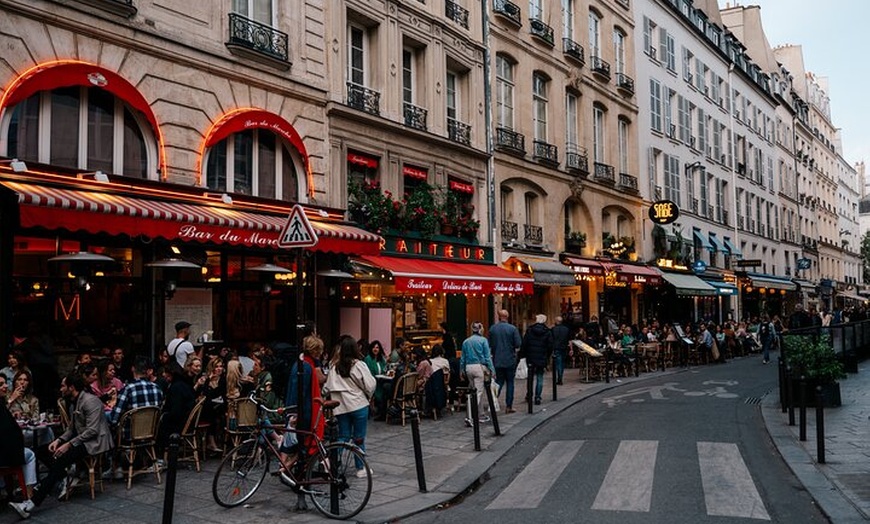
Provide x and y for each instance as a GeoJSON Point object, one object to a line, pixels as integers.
{"type": "Point", "coordinates": [171, 268]}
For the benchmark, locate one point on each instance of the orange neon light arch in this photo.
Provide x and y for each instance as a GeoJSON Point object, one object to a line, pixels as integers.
{"type": "Point", "coordinates": [250, 117]}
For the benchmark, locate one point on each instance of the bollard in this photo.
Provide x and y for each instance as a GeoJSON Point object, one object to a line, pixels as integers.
{"type": "Point", "coordinates": [803, 408]}
{"type": "Point", "coordinates": [475, 420]}
{"type": "Point", "coordinates": [781, 377]}
{"type": "Point", "coordinates": [606, 368]}
{"type": "Point", "coordinates": [790, 394]}
{"type": "Point", "coordinates": [418, 449]}
{"type": "Point", "coordinates": [820, 425]}
{"type": "Point", "coordinates": [171, 472]}
{"type": "Point", "coordinates": [554, 380]}
{"type": "Point", "coordinates": [636, 364]}
{"type": "Point", "coordinates": [529, 382]}
{"type": "Point", "coordinates": [493, 413]}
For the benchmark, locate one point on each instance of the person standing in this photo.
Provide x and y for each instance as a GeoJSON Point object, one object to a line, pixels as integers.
{"type": "Point", "coordinates": [505, 341]}
{"type": "Point", "coordinates": [475, 363]}
{"type": "Point", "coordinates": [180, 347]}
{"type": "Point", "coordinates": [536, 349]}
{"type": "Point", "coordinates": [766, 333]}
{"type": "Point", "coordinates": [561, 338]}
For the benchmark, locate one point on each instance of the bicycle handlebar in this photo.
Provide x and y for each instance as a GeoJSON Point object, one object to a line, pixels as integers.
{"type": "Point", "coordinates": [279, 411]}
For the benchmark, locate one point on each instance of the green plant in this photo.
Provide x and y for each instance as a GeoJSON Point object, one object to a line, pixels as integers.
{"type": "Point", "coordinates": [468, 226]}
{"type": "Point", "coordinates": [814, 358]}
{"type": "Point", "coordinates": [449, 210]}
{"type": "Point", "coordinates": [369, 206]}
{"type": "Point", "coordinates": [419, 210]}
{"type": "Point", "coordinates": [577, 236]}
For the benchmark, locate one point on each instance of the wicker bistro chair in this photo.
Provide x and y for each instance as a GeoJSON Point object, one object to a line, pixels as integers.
{"type": "Point", "coordinates": [190, 442]}
{"type": "Point", "coordinates": [137, 430]}
{"type": "Point", "coordinates": [241, 421]}
{"type": "Point", "coordinates": [63, 412]}
{"type": "Point", "coordinates": [404, 395]}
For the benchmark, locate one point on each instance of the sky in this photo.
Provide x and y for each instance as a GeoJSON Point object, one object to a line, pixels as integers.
{"type": "Point", "coordinates": [833, 36]}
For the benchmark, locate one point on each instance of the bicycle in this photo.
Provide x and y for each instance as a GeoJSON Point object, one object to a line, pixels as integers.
{"type": "Point", "coordinates": [330, 476]}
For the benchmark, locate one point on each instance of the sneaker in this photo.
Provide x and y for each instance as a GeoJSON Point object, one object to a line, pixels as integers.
{"type": "Point", "coordinates": [508, 411]}
{"type": "Point", "coordinates": [537, 402]}
{"type": "Point", "coordinates": [68, 486]}
{"type": "Point", "coordinates": [113, 474]}
{"type": "Point", "coordinates": [23, 508]}
{"type": "Point", "coordinates": [484, 419]}
{"type": "Point", "coordinates": [362, 473]}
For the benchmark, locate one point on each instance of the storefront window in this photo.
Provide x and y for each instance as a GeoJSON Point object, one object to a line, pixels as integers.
{"type": "Point", "coordinates": [253, 162]}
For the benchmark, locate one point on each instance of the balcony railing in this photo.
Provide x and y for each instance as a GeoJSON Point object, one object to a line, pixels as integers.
{"type": "Point", "coordinates": [739, 222]}
{"type": "Point", "coordinates": [363, 98]}
{"type": "Point", "coordinates": [533, 235]}
{"type": "Point", "coordinates": [725, 218]}
{"type": "Point", "coordinates": [541, 30]}
{"type": "Point", "coordinates": [415, 116]}
{"type": "Point", "coordinates": [574, 51]}
{"type": "Point", "coordinates": [458, 131]}
{"type": "Point", "coordinates": [509, 10]}
{"type": "Point", "coordinates": [604, 173]}
{"type": "Point", "coordinates": [577, 161]}
{"type": "Point", "coordinates": [599, 66]}
{"type": "Point", "coordinates": [546, 153]}
{"type": "Point", "coordinates": [456, 12]}
{"type": "Point", "coordinates": [657, 192]}
{"type": "Point", "coordinates": [625, 82]}
{"type": "Point", "coordinates": [250, 35]}
{"type": "Point", "coordinates": [695, 206]}
{"type": "Point", "coordinates": [509, 231]}
{"type": "Point", "coordinates": [709, 211]}
{"type": "Point", "coordinates": [627, 181]}
{"type": "Point", "coordinates": [510, 141]}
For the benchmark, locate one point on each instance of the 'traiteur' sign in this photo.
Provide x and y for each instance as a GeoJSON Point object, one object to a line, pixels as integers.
{"type": "Point", "coordinates": [664, 212]}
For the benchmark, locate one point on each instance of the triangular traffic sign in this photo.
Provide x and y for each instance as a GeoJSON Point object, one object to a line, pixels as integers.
{"type": "Point", "coordinates": [297, 231]}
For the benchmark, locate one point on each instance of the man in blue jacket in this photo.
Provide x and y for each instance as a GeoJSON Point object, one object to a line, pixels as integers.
{"type": "Point", "coordinates": [505, 340]}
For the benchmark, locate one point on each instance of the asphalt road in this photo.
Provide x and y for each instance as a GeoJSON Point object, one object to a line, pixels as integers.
{"type": "Point", "coordinates": [686, 448]}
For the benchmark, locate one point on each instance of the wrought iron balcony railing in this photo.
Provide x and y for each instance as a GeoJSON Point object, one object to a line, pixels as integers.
{"type": "Point", "coordinates": [574, 51]}
{"type": "Point", "coordinates": [254, 36]}
{"type": "Point", "coordinates": [739, 222]}
{"type": "Point", "coordinates": [709, 211]}
{"type": "Point", "coordinates": [363, 98]}
{"type": "Point", "coordinates": [509, 231]}
{"type": "Point", "coordinates": [725, 217]}
{"type": "Point", "coordinates": [695, 206]}
{"type": "Point", "coordinates": [625, 82]}
{"type": "Point", "coordinates": [533, 235]}
{"type": "Point", "coordinates": [604, 173]}
{"type": "Point", "coordinates": [509, 140]}
{"type": "Point", "coordinates": [627, 181]}
{"type": "Point", "coordinates": [456, 12]}
{"type": "Point", "coordinates": [541, 30]}
{"type": "Point", "coordinates": [415, 116]}
{"type": "Point", "coordinates": [657, 192]}
{"type": "Point", "coordinates": [546, 153]}
{"type": "Point", "coordinates": [600, 67]}
{"type": "Point", "coordinates": [577, 161]}
{"type": "Point", "coordinates": [509, 10]}
{"type": "Point", "coordinates": [458, 131]}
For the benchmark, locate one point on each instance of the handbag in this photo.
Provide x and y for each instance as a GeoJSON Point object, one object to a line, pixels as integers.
{"type": "Point", "coordinates": [522, 371]}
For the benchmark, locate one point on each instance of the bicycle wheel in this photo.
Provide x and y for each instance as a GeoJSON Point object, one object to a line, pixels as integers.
{"type": "Point", "coordinates": [346, 493]}
{"type": "Point", "coordinates": [240, 474]}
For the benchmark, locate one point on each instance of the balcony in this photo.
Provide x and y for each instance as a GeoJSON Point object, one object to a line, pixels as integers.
{"type": "Point", "coordinates": [545, 153]}
{"type": "Point", "coordinates": [600, 67]}
{"type": "Point", "coordinates": [509, 10]}
{"type": "Point", "coordinates": [625, 83]}
{"type": "Point", "coordinates": [533, 235]}
{"type": "Point", "coordinates": [542, 31]}
{"type": "Point", "coordinates": [739, 222]}
{"type": "Point", "coordinates": [628, 182]}
{"type": "Point", "coordinates": [604, 173]}
{"type": "Point", "coordinates": [710, 212]}
{"type": "Point", "coordinates": [459, 132]}
{"type": "Point", "coordinates": [573, 51]}
{"type": "Point", "coordinates": [456, 12]}
{"type": "Point", "coordinates": [415, 116]}
{"type": "Point", "coordinates": [363, 98]}
{"type": "Point", "coordinates": [258, 42]}
{"type": "Point", "coordinates": [695, 206]}
{"type": "Point", "coordinates": [510, 141]}
{"type": "Point", "coordinates": [657, 192]}
{"type": "Point", "coordinates": [509, 231]}
{"type": "Point", "coordinates": [577, 162]}
{"type": "Point", "coordinates": [123, 8]}
{"type": "Point", "coordinates": [725, 218]}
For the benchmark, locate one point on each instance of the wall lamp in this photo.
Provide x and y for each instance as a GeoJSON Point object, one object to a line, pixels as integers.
{"type": "Point", "coordinates": [693, 165]}
{"type": "Point", "coordinates": [17, 166]}
{"type": "Point", "coordinates": [98, 176]}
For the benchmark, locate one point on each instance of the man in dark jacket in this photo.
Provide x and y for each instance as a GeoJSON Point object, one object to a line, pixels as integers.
{"type": "Point", "coordinates": [561, 336]}
{"type": "Point", "coordinates": [536, 349]}
{"type": "Point", "coordinates": [504, 341]}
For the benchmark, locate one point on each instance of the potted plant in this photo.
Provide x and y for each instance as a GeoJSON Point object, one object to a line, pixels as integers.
{"type": "Point", "coordinates": [628, 247]}
{"type": "Point", "coordinates": [370, 207]}
{"type": "Point", "coordinates": [449, 213]}
{"type": "Point", "coordinates": [419, 211]}
{"type": "Point", "coordinates": [468, 226]}
{"type": "Point", "coordinates": [812, 357]}
{"type": "Point", "coordinates": [575, 241]}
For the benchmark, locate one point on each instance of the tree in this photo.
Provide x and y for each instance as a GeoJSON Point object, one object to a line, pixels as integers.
{"type": "Point", "coordinates": [865, 255]}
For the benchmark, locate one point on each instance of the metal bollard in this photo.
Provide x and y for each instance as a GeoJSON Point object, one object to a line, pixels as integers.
{"type": "Point", "coordinates": [529, 382]}
{"type": "Point", "coordinates": [790, 394]}
{"type": "Point", "coordinates": [606, 368]}
{"type": "Point", "coordinates": [781, 377]}
{"type": "Point", "coordinates": [820, 425]}
{"type": "Point", "coordinates": [171, 472]}
{"type": "Point", "coordinates": [475, 420]}
{"type": "Point", "coordinates": [554, 380]}
{"type": "Point", "coordinates": [418, 449]}
{"type": "Point", "coordinates": [803, 408]}
{"type": "Point", "coordinates": [493, 413]}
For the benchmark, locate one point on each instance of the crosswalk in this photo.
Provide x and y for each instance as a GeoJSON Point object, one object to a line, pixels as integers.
{"type": "Point", "coordinates": [725, 483]}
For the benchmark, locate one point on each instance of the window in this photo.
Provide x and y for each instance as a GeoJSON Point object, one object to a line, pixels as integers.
{"type": "Point", "coordinates": [539, 103]}
{"type": "Point", "coordinates": [531, 207]}
{"type": "Point", "coordinates": [655, 103]}
{"type": "Point", "coordinates": [668, 103]}
{"type": "Point", "coordinates": [672, 179]}
{"type": "Point", "coordinates": [594, 34]}
{"type": "Point", "coordinates": [649, 28]}
{"type": "Point", "coordinates": [619, 50]}
{"type": "Point", "coordinates": [572, 137]}
{"type": "Point", "coordinates": [253, 162]}
{"type": "Point", "coordinates": [690, 186]}
{"type": "Point", "coordinates": [720, 197]}
{"type": "Point", "coordinates": [357, 44]}
{"type": "Point", "coordinates": [504, 80]}
{"type": "Point", "coordinates": [702, 131]}
{"type": "Point", "coordinates": [770, 173]}
{"type": "Point", "coordinates": [668, 50]}
{"type": "Point", "coordinates": [683, 118]}
{"type": "Point", "coordinates": [507, 203]}
{"type": "Point", "coordinates": [704, 192]}
{"type": "Point", "coordinates": [452, 100]}
{"type": "Point", "coordinates": [536, 10]}
{"type": "Point", "coordinates": [598, 134]}
{"type": "Point", "coordinates": [568, 19]}
{"type": "Point", "coordinates": [408, 76]}
{"type": "Point", "coordinates": [262, 11]}
{"type": "Point", "coordinates": [82, 128]}
{"type": "Point", "coordinates": [622, 137]}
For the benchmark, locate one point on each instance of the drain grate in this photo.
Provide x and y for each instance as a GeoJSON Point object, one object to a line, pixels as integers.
{"type": "Point", "coordinates": [757, 400]}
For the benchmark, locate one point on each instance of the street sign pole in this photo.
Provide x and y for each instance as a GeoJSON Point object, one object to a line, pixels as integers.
{"type": "Point", "coordinates": [300, 326]}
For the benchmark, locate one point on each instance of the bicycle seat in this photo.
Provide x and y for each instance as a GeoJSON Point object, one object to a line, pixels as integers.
{"type": "Point", "coordinates": [328, 404]}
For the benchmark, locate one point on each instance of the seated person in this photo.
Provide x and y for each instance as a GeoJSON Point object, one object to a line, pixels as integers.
{"type": "Point", "coordinates": [88, 434]}
{"type": "Point", "coordinates": [214, 389]}
{"type": "Point", "coordinates": [13, 453]}
{"type": "Point", "coordinates": [437, 359]}
{"type": "Point", "coordinates": [423, 366]}
{"type": "Point", "coordinates": [23, 404]}
{"type": "Point", "coordinates": [180, 400]}
{"type": "Point", "coordinates": [16, 363]}
{"type": "Point", "coordinates": [107, 386]}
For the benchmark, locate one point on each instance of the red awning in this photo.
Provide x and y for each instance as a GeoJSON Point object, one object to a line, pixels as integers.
{"type": "Point", "coordinates": [55, 208]}
{"type": "Point", "coordinates": [583, 266]}
{"type": "Point", "coordinates": [436, 276]}
{"type": "Point", "coordinates": [634, 274]}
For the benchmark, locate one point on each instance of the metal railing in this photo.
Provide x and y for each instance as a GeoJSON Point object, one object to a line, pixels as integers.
{"type": "Point", "coordinates": [456, 12]}
{"type": "Point", "coordinates": [577, 161]}
{"type": "Point", "coordinates": [415, 116]}
{"type": "Point", "coordinates": [625, 82]}
{"type": "Point", "coordinates": [258, 37]}
{"type": "Point", "coordinates": [695, 206]}
{"type": "Point", "coordinates": [600, 66]}
{"type": "Point", "coordinates": [627, 181]}
{"type": "Point", "coordinates": [509, 231]}
{"type": "Point", "coordinates": [725, 217]}
{"type": "Point", "coordinates": [458, 131]}
{"type": "Point", "coordinates": [510, 140]}
{"type": "Point", "coordinates": [533, 235]}
{"type": "Point", "coordinates": [541, 30]}
{"type": "Point", "coordinates": [363, 98]}
{"type": "Point", "coordinates": [573, 50]}
{"type": "Point", "coordinates": [509, 10]}
{"type": "Point", "coordinates": [604, 172]}
{"type": "Point", "coordinates": [545, 152]}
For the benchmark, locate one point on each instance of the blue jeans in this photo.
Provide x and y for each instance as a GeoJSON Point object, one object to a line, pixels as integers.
{"type": "Point", "coordinates": [538, 373]}
{"type": "Point", "coordinates": [765, 348]}
{"type": "Point", "coordinates": [505, 377]}
{"type": "Point", "coordinates": [559, 363]}
{"type": "Point", "coordinates": [352, 427]}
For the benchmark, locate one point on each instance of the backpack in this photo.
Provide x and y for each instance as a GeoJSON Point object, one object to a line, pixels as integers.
{"type": "Point", "coordinates": [764, 330]}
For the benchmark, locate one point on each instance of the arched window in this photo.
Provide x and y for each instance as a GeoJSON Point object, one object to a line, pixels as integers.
{"type": "Point", "coordinates": [253, 162]}
{"type": "Point", "coordinates": [81, 128]}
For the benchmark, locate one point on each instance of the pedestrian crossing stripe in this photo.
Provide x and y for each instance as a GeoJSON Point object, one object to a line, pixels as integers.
{"type": "Point", "coordinates": [297, 231]}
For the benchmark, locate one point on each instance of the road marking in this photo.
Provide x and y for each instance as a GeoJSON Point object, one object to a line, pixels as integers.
{"type": "Point", "coordinates": [529, 487]}
{"type": "Point", "coordinates": [628, 483]}
{"type": "Point", "coordinates": [728, 487]}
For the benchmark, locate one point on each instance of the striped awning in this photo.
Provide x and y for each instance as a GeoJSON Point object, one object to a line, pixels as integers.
{"type": "Point", "coordinates": [73, 209]}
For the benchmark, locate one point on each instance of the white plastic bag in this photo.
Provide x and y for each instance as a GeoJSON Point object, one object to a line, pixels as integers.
{"type": "Point", "coordinates": [522, 372]}
{"type": "Point", "coordinates": [493, 387]}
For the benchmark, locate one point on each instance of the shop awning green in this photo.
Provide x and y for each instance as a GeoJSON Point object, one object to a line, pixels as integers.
{"type": "Point", "coordinates": [548, 272]}
{"type": "Point", "coordinates": [732, 248]}
{"type": "Point", "coordinates": [723, 288]}
{"type": "Point", "coordinates": [771, 282]}
{"type": "Point", "coordinates": [700, 238]}
{"type": "Point", "coordinates": [689, 285]}
{"type": "Point", "coordinates": [717, 244]}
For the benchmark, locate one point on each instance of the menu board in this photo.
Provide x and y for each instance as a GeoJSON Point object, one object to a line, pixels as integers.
{"type": "Point", "coordinates": [193, 305]}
